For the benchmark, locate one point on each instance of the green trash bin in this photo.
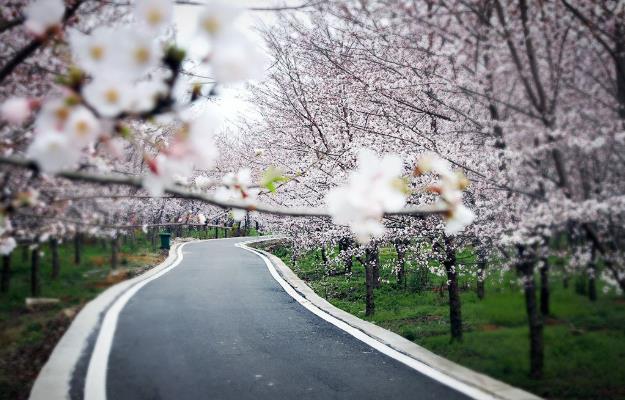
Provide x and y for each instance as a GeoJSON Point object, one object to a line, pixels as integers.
{"type": "Point", "coordinates": [165, 240]}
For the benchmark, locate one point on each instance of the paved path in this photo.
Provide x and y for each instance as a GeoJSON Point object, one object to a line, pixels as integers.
{"type": "Point", "coordinates": [218, 326]}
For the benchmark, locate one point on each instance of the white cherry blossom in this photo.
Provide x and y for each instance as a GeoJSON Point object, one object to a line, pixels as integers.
{"type": "Point", "coordinates": [236, 186]}
{"type": "Point", "coordinates": [217, 17]}
{"type": "Point", "coordinates": [7, 245]}
{"type": "Point", "coordinates": [164, 172]}
{"type": "Point", "coordinates": [5, 224]}
{"type": "Point", "coordinates": [431, 162]}
{"type": "Point", "coordinates": [457, 219]}
{"type": "Point", "coordinates": [196, 139]}
{"type": "Point", "coordinates": [53, 152]}
{"type": "Point", "coordinates": [96, 52]}
{"type": "Point", "coordinates": [145, 95]}
{"type": "Point", "coordinates": [16, 110]}
{"type": "Point", "coordinates": [42, 15]}
{"type": "Point", "coordinates": [155, 15]}
{"type": "Point", "coordinates": [203, 181]}
{"type": "Point", "coordinates": [201, 218]}
{"type": "Point", "coordinates": [109, 97]}
{"type": "Point", "coordinates": [450, 189]}
{"type": "Point", "coordinates": [372, 189]}
{"type": "Point", "coordinates": [53, 115]}
{"type": "Point", "coordinates": [82, 127]}
{"type": "Point", "coordinates": [138, 53]}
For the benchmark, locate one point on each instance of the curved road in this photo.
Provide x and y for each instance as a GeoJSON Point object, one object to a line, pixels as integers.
{"type": "Point", "coordinates": [218, 326]}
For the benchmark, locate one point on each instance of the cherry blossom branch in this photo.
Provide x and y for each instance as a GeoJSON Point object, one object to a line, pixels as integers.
{"type": "Point", "coordinates": [128, 226]}
{"type": "Point", "coordinates": [284, 8]}
{"type": "Point", "coordinates": [415, 211]}
{"type": "Point", "coordinates": [31, 47]}
{"type": "Point", "coordinates": [10, 24]}
{"type": "Point", "coordinates": [111, 196]}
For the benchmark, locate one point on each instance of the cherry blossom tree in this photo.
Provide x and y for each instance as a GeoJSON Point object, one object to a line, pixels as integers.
{"type": "Point", "coordinates": [521, 96]}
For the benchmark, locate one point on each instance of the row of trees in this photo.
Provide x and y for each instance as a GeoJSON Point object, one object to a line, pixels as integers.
{"type": "Point", "coordinates": [525, 97]}
{"type": "Point", "coordinates": [46, 248]}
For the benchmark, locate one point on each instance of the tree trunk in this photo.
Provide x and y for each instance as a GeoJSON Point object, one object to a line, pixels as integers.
{"type": "Point", "coordinates": [349, 262]}
{"type": "Point", "coordinates": [401, 262]}
{"type": "Point", "coordinates": [370, 256]}
{"type": "Point", "coordinates": [375, 266]}
{"type": "Point", "coordinates": [5, 283]}
{"type": "Point", "coordinates": [35, 283]}
{"type": "Point", "coordinates": [481, 274]}
{"type": "Point", "coordinates": [592, 285]}
{"type": "Point", "coordinates": [324, 256]}
{"type": "Point", "coordinates": [620, 279]}
{"type": "Point", "coordinates": [56, 264]}
{"type": "Point", "coordinates": [619, 66]}
{"type": "Point", "coordinates": [534, 318]}
{"type": "Point", "coordinates": [77, 247]}
{"type": "Point", "coordinates": [153, 234]}
{"type": "Point", "coordinates": [344, 245]}
{"type": "Point", "coordinates": [455, 309]}
{"type": "Point", "coordinates": [592, 275]}
{"type": "Point", "coordinates": [544, 288]}
{"type": "Point", "coordinates": [114, 252]}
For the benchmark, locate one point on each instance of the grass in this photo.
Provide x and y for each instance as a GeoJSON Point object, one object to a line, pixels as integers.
{"type": "Point", "coordinates": [28, 336]}
{"type": "Point", "coordinates": [584, 340]}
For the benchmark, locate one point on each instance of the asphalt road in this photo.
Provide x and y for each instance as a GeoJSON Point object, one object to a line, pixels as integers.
{"type": "Point", "coordinates": [218, 326]}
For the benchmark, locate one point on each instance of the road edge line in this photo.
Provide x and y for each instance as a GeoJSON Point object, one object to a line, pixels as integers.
{"type": "Point", "coordinates": [455, 376]}
{"type": "Point", "coordinates": [55, 377]}
{"type": "Point", "coordinates": [95, 380]}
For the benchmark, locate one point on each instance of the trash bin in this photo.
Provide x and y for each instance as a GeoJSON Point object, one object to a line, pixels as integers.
{"type": "Point", "coordinates": [165, 239]}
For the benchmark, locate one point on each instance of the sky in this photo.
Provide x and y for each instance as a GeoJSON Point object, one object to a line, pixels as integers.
{"type": "Point", "coordinates": [185, 17]}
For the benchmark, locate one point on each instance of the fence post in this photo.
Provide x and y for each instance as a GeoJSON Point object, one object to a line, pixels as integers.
{"type": "Point", "coordinates": [56, 265]}
{"type": "Point", "coordinates": [114, 250]}
{"type": "Point", "coordinates": [6, 273]}
{"type": "Point", "coordinates": [35, 283]}
{"type": "Point", "coordinates": [77, 247]}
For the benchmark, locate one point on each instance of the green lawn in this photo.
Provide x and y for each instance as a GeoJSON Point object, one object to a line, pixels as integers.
{"type": "Point", "coordinates": [26, 336]}
{"type": "Point", "coordinates": [584, 341]}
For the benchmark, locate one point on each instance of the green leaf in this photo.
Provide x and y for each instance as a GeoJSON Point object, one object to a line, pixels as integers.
{"type": "Point", "coordinates": [271, 177]}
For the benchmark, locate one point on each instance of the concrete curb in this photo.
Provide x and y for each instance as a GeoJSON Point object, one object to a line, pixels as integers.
{"type": "Point", "coordinates": [54, 379]}
{"type": "Point", "coordinates": [490, 387]}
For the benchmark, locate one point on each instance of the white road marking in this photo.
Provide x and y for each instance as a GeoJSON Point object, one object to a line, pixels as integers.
{"type": "Point", "coordinates": [426, 370]}
{"type": "Point", "coordinates": [95, 382]}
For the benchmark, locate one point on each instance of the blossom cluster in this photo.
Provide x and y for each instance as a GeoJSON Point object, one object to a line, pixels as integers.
{"type": "Point", "coordinates": [238, 187]}
{"type": "Point", "coordinates": [376, 188]}
{"type": "Point", "coordinates": [372, 189]}
{"type": "Point", "coordinates": [449, 188]}
{"type": "Point", "coordinates": [126, 71]}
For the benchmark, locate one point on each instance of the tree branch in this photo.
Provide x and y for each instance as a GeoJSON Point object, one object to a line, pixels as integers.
{"type": "Point", "coordinates": [416, 211]}
{"type": "Point", "coordinates": [31, 47]}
